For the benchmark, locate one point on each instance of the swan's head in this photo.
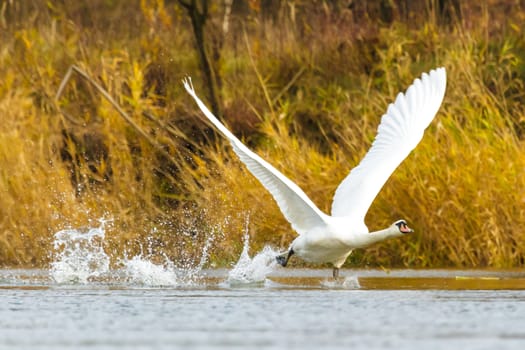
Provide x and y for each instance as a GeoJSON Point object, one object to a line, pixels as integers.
{"type": "Point", "coordinates": [402, 227]}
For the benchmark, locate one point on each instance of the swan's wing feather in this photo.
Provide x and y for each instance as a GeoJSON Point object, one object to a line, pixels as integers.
{"type": "Point", "coordinates": [295, 205]}
{"type": "Point", "coordinates": [399, 132]}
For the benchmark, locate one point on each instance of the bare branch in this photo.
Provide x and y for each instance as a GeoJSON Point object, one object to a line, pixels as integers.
{"type": "Point", "coordinates": [119, 109]}
{"type": "Point", "coordinates": [185, 4]}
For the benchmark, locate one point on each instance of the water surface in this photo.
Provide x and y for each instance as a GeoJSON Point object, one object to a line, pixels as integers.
{"type": "Point", "coordinates": [289, 308]}
{"type": "Point", "coordinates": [85, 302]}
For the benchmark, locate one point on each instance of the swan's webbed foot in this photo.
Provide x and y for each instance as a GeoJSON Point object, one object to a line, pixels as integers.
{"type": "Point", "coordinates": [283, 258]}
{"type": "Point", "coordinates": [335, 272]}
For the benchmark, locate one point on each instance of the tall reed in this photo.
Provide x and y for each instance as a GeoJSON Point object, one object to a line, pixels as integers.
{"type": "Point", "coordinates": [307, 94]}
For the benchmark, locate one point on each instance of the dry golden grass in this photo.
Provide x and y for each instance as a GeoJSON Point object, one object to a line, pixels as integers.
{"type": "Point", "coordinates": [307, 100]}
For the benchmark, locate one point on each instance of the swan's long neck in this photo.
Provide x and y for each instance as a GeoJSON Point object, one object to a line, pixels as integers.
{"type": "Point", "coordinates": [381, 235]}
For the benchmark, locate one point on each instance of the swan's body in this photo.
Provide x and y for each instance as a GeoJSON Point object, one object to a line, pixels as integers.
{"type": "Point", "coordinates": [331, 239]}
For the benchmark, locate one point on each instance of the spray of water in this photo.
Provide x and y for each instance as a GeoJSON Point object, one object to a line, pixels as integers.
{"type": "Point", "coordinates": [349, 282]}
{"type": "Point", "coordinates": [252, 271]}
{"type": "Point", "coordinates": [80, 255]}
{"type": "Point", "coordinates": [140, 270]}
{"type": "Point", "coordinates": [80, 259]}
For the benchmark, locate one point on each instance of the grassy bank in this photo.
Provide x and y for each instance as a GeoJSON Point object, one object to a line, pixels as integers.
{"type": "Point", "coordinates": [306, 88]}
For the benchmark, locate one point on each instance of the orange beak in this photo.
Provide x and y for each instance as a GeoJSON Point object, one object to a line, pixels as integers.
{"type": "Point", "coordinates": [405, 229]}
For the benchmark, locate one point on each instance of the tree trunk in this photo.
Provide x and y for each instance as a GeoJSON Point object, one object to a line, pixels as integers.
{"type": "Point", "coordinates": [198, 12]}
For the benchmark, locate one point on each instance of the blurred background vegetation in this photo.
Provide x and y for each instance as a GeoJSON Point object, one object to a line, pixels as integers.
{"type": "Point", "coordinates": [304, 83]}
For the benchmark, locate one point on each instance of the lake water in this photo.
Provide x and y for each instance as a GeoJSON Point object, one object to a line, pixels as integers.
{"type": "Point", "coordinates": [84, 302]}
{"type": "Point", "coordinates": [287, 309]}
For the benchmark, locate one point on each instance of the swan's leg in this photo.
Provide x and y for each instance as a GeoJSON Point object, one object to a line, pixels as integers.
{"type": "Point", "coordinates": [283, 258]}
{"type": "Point", "coordinates": [335, 272]}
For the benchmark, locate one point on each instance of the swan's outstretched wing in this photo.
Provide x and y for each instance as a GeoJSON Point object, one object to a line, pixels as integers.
{"type": "Point", "coordinates": [298, 209]}
{"type": "Point", "coordinates": [399, 132]}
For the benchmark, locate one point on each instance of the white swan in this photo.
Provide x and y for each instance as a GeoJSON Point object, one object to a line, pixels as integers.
{"type": "Point", "coordinates": [331, 239]}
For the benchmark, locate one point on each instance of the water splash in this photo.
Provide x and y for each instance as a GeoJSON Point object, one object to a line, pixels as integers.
{"type": "Point", "coordinates": [139, 270]}
{"type": "Point", "coordinates": [350, 282]}
{"type": "Point", "coordinates": [80, 259]}
{"type": "Point", "coordinates": [248, 271]}
{"type": "Point", "coordinates": [80, 255]}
